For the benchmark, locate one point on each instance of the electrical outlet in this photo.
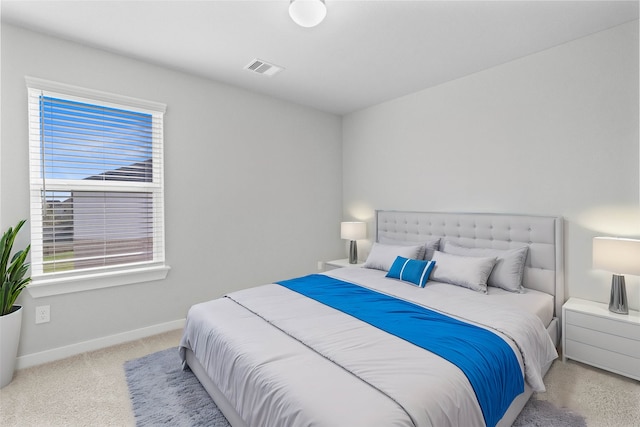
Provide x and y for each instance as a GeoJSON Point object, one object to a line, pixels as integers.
{"type": "Point", "coordinates": [43, 314]}
{"type": "Point", "coordinates": [320, 265]}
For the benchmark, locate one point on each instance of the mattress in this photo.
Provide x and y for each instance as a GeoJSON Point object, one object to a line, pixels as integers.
{"type": "Point", "coordinates": [535, 302]}
{"type": "Point", "coordinates": [282, 359]}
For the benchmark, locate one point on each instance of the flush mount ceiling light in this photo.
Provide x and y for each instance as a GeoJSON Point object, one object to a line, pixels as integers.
{"type": "Point", "coordinates": [307, 13]}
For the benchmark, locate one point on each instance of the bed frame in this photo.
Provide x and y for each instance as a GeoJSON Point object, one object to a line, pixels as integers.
{"type": "Point", "coordinates": [544, 269]}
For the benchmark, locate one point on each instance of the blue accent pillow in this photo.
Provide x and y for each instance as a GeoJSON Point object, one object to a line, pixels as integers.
{"type": "Point", "coordinates": [412, 271]}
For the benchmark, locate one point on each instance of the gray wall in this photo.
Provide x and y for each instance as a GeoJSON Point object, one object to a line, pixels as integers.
{"type": "Point", "coordinates": [253, 187]}
{"type": "Point", "coordinates": [552, 133]}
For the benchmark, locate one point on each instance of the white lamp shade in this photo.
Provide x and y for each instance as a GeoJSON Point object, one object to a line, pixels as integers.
{"type": "Point", "coordinates": [307, 13]}
{"type": "Point", "coordinates": [620, 256]}
{"type": "Point", "coordinates": [353, 230]}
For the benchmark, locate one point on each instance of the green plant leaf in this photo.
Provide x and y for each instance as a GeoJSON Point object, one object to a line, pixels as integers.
{"type": "Point", "coordinates": [12, 269]}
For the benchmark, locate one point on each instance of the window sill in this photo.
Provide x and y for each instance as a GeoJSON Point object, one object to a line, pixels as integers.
{"type": "Point", "coordinates": [39, 288]}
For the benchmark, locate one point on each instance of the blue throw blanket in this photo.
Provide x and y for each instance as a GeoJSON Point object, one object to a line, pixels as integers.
{"type": "Point", "coordinates": [486, 359]}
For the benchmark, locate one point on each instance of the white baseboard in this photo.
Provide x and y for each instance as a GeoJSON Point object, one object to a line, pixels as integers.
{"type": "Point", "coordinates": [46, 356]}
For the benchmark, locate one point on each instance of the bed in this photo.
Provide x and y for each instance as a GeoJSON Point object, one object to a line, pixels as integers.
{"type": "Point", "coordinates": [304, 353]}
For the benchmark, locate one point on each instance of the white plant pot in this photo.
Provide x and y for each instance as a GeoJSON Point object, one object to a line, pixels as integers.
{"type": "Point", "coordinates": [10, 325]}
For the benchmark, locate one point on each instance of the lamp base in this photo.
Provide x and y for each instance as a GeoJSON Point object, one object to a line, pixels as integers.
{"type": "Point", "coordinates": [618, 300]}
{"type": "Point", "coordinates": [353, 252]}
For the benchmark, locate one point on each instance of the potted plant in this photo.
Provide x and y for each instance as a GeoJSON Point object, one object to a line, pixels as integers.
{"type": "Point", "coordinates": [13, 270]}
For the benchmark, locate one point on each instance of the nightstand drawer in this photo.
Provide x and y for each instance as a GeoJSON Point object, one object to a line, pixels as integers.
{"type": "Point", "coordinates": [604, 341]}
{"type": "Point", "coordinates": [614, 362]}
{"type": "Point", "coordinates": [609, 326]}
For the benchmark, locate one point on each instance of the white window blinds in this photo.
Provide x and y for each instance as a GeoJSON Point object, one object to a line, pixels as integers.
{"type": "Point", "coordinates": [96, 173]}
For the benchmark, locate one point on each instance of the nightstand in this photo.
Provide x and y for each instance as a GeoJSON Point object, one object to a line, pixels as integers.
{"type": "Point", "coordinates": [340, 263]}
{"type": "Point", "coordinates": [594, 335]}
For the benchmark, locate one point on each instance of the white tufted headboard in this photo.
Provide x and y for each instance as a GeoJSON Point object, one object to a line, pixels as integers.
{"type": "Point", "coordinates": [544, 270]}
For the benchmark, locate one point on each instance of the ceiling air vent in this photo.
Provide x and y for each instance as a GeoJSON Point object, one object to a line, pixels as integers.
{"type": "Point", "coordinates": [261, 67]}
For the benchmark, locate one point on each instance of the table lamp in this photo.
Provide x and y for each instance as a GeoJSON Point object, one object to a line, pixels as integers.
{"type": "Point", "coordinates": [353, 230]}
{"type": "Point", "coordinates": [620, 256]}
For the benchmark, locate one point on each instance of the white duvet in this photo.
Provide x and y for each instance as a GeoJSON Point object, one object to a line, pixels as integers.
{"type": "Point", "coordinates": [282, 359]}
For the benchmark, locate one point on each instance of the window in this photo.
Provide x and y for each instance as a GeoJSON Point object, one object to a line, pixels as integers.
{"type": "Point", "coordinates": [97, 195]}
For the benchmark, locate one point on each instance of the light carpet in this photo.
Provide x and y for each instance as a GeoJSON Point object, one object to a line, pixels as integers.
{"type": "Point", "coordinates": [163, 394]}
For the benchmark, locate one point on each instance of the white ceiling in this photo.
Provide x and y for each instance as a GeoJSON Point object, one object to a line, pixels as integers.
{"type": "Point", "coordinates": [364, 52]}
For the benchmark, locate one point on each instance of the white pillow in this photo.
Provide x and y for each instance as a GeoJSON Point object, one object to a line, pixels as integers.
{"type": "Point", "coordinates": [382, 256]}
{"type": "Point", "coordinates": [468, 272]}
{"type": "Point", "coordinates": [429, 247]}
{"type": "Point", "coordinates": [509, 268]}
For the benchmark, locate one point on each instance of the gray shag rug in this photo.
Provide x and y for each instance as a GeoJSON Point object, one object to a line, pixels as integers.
{"type": "Point", "coordinates": [163, 394]}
